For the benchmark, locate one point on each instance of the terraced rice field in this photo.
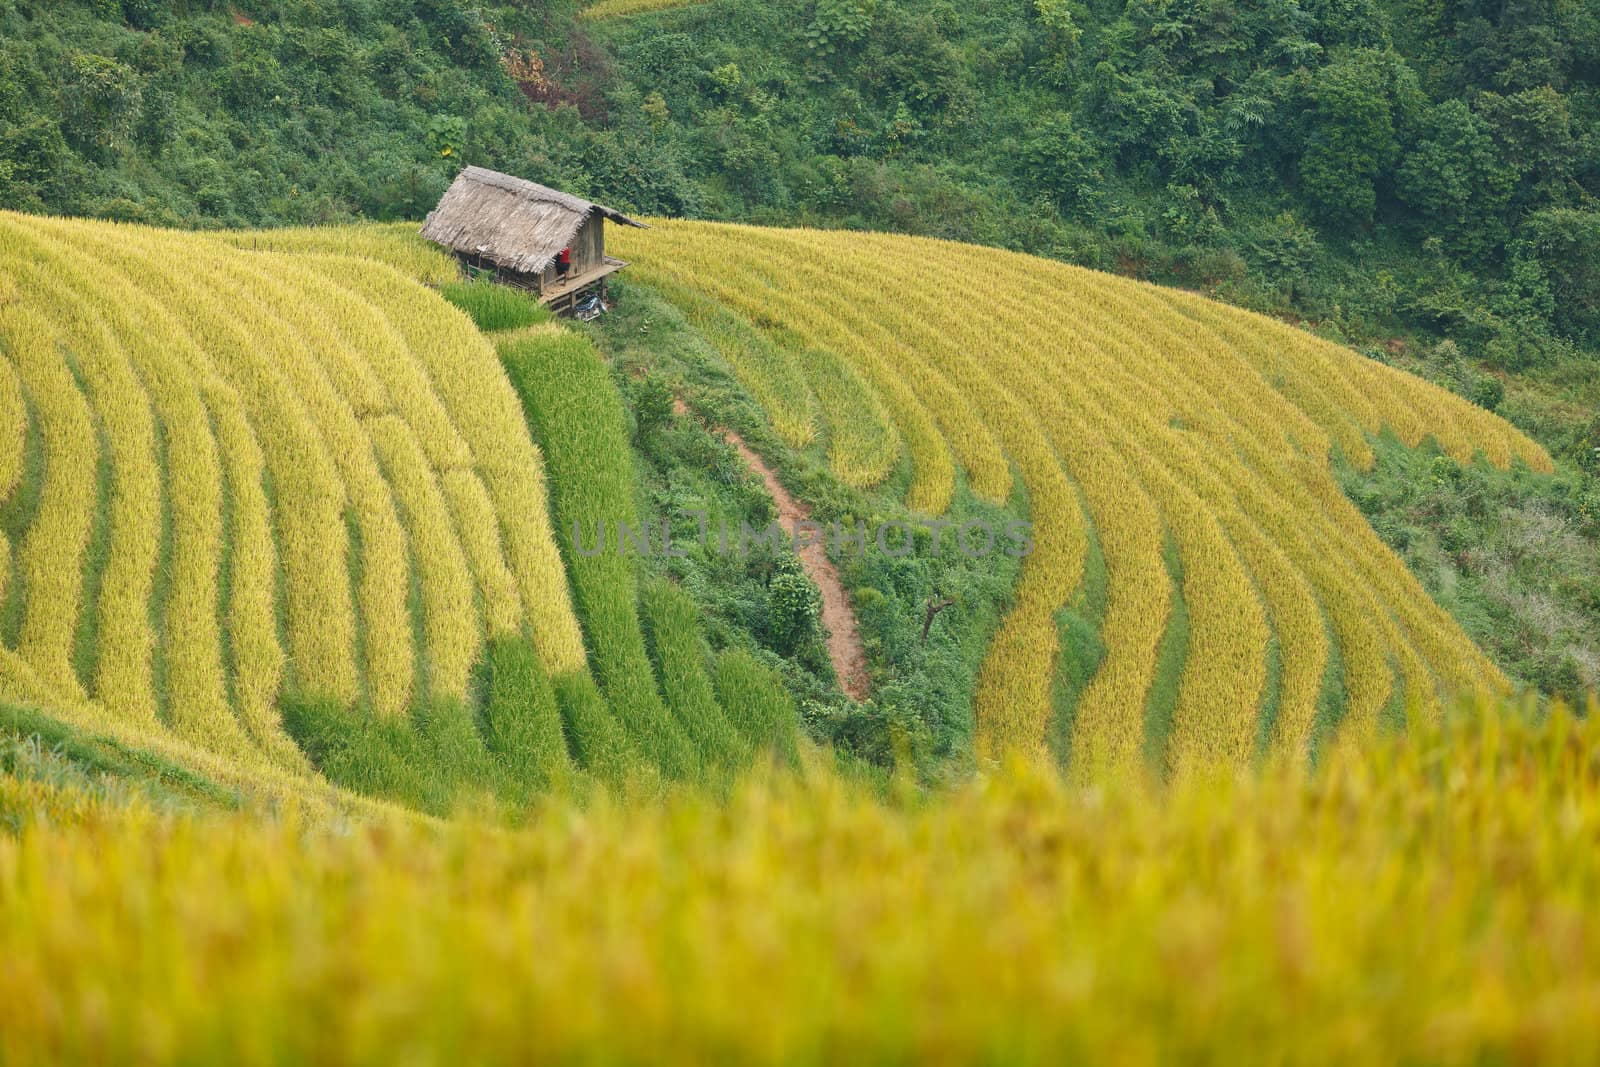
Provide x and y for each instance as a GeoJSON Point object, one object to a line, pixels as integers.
{"type": "Point", "coordinates": [245, 467]}
{"type": "Point", "coordinates": [617, 9]}
{"type": "Point", "coordinates": [1185, 445]}
{"type": "Point", "coordinates": [231, 475]}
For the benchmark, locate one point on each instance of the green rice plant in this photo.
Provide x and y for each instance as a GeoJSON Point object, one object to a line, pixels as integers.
{"type": "Point", "coordinates": [372, 755]}
{"type": "Point", "coordinates": [673, 631]}
{"type": "Point", "coordinates": [754, 699]}
{"type": "Point", "coordinates": [451, 747]}
{"type": "Point", "coordinates": [494, 307]}
{"type": "Point", "coordinates": [595, 738]}
{"type": "Point", "coordinates": [522, 723]}
{"type": "Point", "coordinates": [576, 413]}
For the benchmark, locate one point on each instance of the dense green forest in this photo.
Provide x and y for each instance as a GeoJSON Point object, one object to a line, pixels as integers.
{"type": "Point", "coordinates": [1418, 178]}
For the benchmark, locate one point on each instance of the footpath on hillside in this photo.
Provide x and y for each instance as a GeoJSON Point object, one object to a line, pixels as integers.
{"type": "Point", "coordinates": [844, 635]}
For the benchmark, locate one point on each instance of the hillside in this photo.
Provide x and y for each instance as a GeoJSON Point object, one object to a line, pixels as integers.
{"type": "Point", "coordinates": [1417, 183]}
{"type": "Point", "coordinates": [275, 502]}
{"type": "Point", "coordinates": [295, 530]}
{"type": "Point", "coordinates": [1199, 588]}
{"type": "Point", "coordinates": [270, 504]}
{"type": "Point", "coordinates": [1092, 556]}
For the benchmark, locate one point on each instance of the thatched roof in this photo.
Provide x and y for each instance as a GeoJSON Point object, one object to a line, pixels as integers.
{"type": "Point", "coordinates": [512, 223]}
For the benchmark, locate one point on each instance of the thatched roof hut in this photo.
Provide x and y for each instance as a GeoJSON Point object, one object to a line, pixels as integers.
{"type": "Point", "coordinates": [521, 228]}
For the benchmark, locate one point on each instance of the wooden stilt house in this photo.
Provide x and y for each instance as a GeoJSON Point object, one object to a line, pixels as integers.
{"type": "Point", "coordinates": [519, 230]}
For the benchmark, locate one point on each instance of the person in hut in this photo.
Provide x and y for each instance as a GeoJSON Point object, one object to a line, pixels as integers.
{"type": "Point", "coordinates": [563, 263]}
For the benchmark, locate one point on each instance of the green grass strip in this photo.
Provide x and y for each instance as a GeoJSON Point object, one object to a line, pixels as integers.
{"type": "Point", "coordinates": [96, 552]}
{"type": "Point", "coordinates": [673, 630]}
{"type": "Point", "coordinates": [15, 518]}
{"type": "Point", "coordinates": [494, 307]}
{"type": "Point", "coordinates": [754, 698]}
{"type": "Point", "coordinates": [1162, 701]}
{"type": "Point", "coordinates": [1271, 694]}
{"type": "Point", "coordinates": [1332, 700]}
{"type": "Point", "coordinates": [1078, 627]}
{"type": "Point", "coordinates": [521, 721]}
{"type": "Point", "coordinates": [576, 415]}
{"type": "Point", "coordinates": [104, 755]}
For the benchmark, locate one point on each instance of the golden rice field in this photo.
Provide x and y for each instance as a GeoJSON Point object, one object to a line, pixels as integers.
{"type": "Point", "coordinates": [1427, 899]}
{"type": "Point", "coordinates": [237, 469]}
{"type": "Point", "coordinates": [243, 473]}
{"type": "Point", "coordinates": [1133, 417]}
{"type": "Point", "coordinates": [616, 9]}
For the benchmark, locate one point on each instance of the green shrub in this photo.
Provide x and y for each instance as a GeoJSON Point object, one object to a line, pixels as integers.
{"type": "Point", "coordinates": [794, 608]}
{"type": "Point", "coordinates": [494, 307]}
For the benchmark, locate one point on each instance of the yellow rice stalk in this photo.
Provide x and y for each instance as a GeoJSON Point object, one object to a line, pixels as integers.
{"type": "Point", "coordinates": [1225, 420]}
{"type": "Point", "coordinates": [319, 362]}
{"type": "Point", "coordinates": [452, 636]}
{"type": "Point", "coordinates": [393, 244]}
{"type": "Point", "coordinates": [480, 401]}
{"type": "Point", "coordinates": [13, 429]}
{"type": "Point", "coordinates": [51, 553]}
{"type": "Point", "coordinates": [473, 513]}
{"type": "Point", "coordinates": [122, 673]}
{"type": "Point", "coordinates": [252, 354]}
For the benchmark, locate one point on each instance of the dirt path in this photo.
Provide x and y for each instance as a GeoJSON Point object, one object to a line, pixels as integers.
{"type": "Point", "coordinates": [844, 636]}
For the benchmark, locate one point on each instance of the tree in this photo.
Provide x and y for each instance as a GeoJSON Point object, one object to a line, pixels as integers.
{"type": "Point", "coordinates": [838, 24]}
{"type": "Point", "coordinates": [1561, 246]}
{"type": "Point", "coordinates": [447, 134]}
{"type": "Point", "coordinates": [1457, 178]}
{"type": "Point", "coordinates": [1060, 161]}
{"type": "Point", "coordinates": [1350, 137]}
{"type": "Point", "coordinates": [1534, 131]}
{"type": "Point", "coordinates": [1063, 33]}
{"type": "Point", "coordinates": [100, 101]}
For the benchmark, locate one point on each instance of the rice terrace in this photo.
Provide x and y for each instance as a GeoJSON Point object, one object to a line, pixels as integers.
{"type": "Point", "coordinates": [803, 533]}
